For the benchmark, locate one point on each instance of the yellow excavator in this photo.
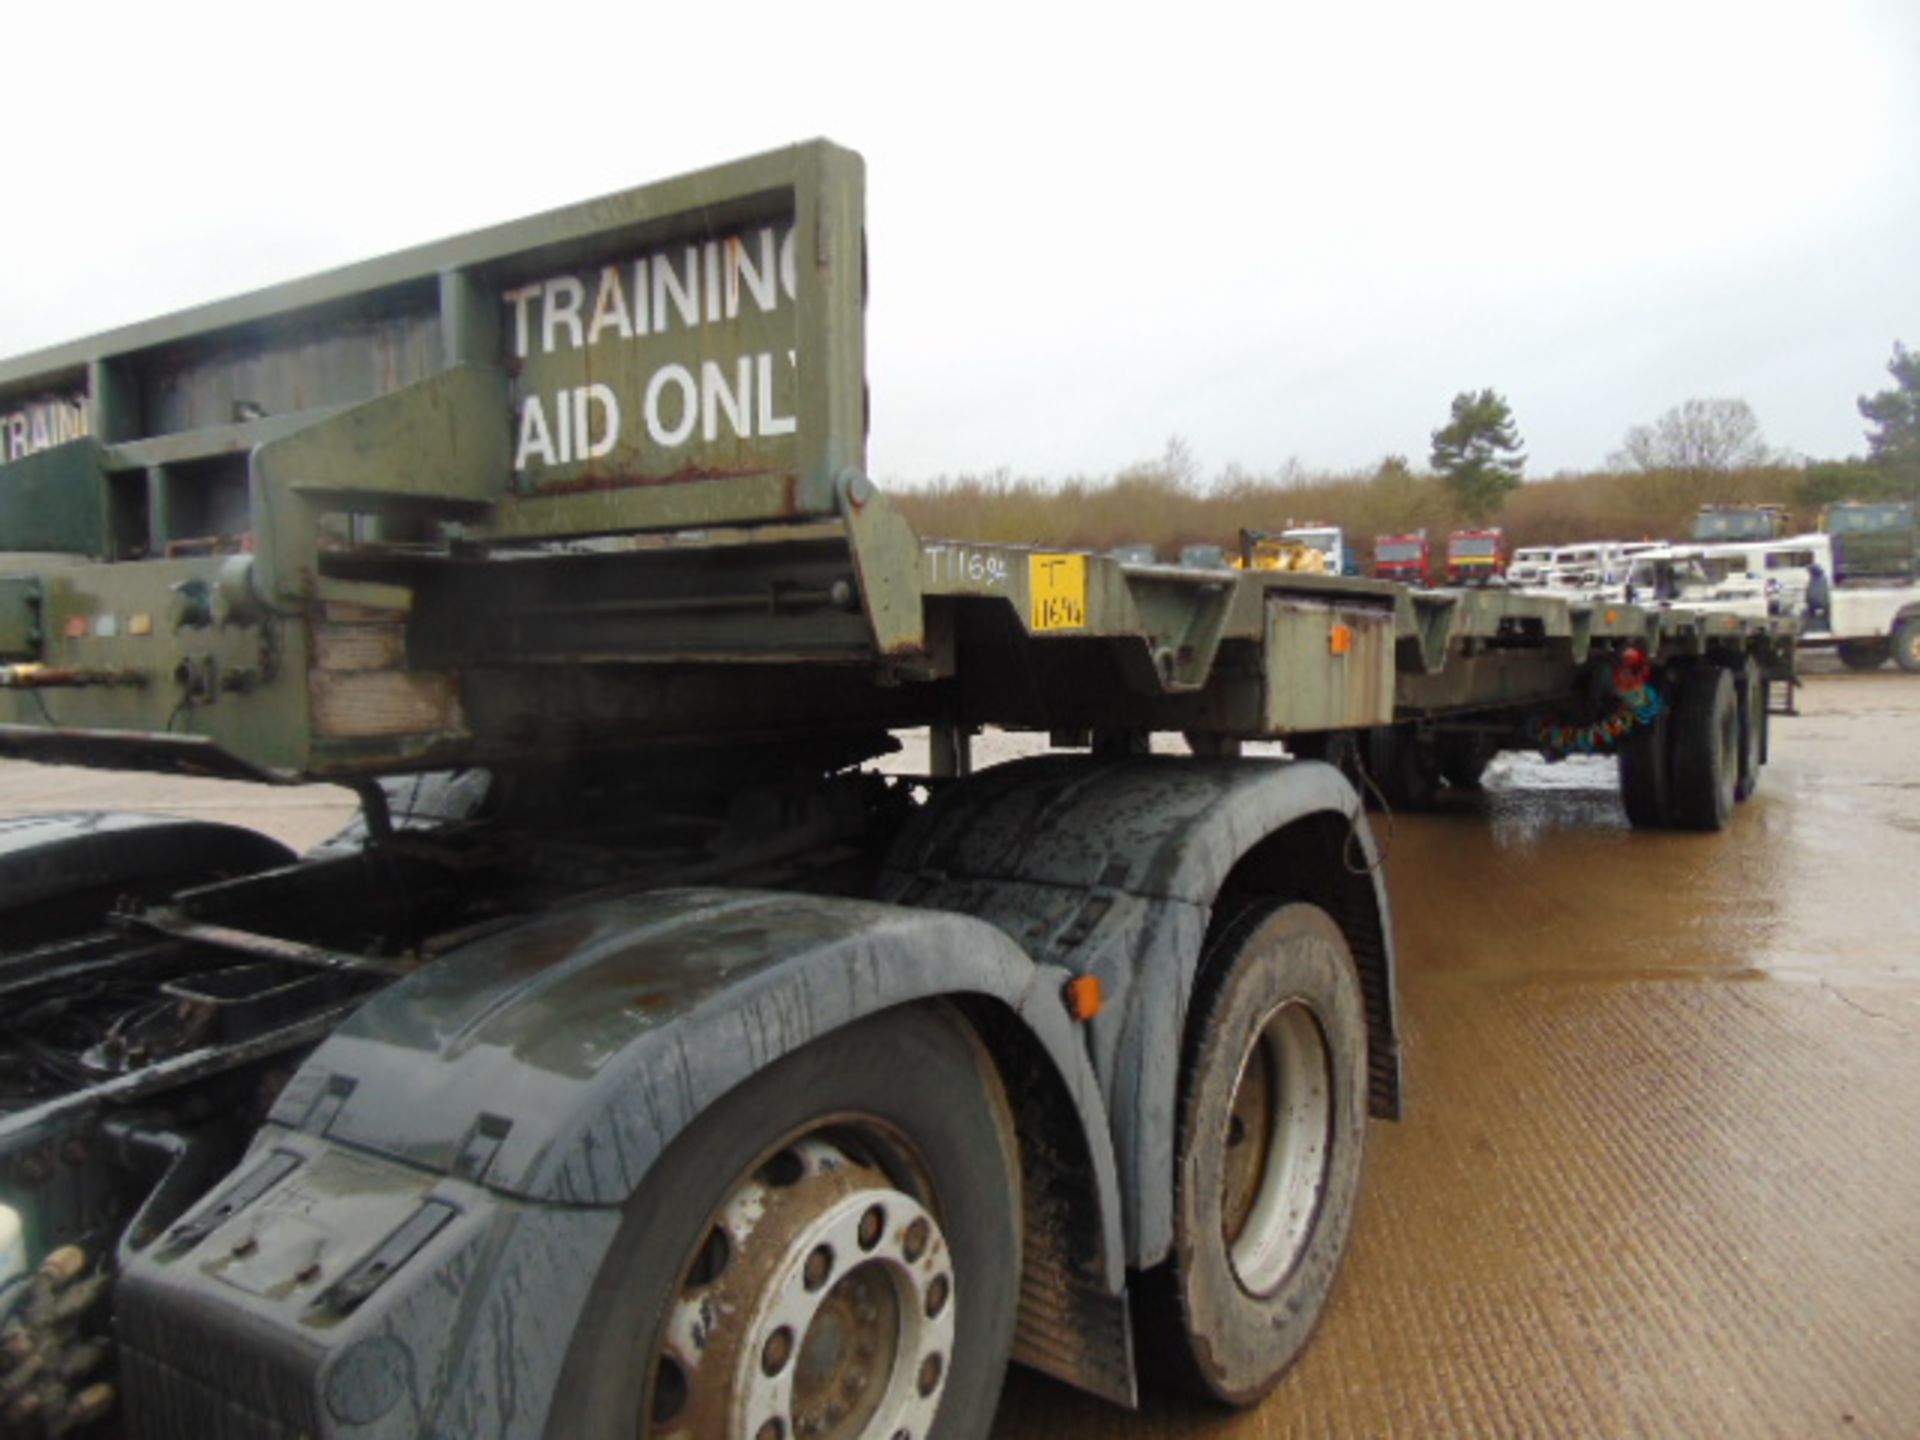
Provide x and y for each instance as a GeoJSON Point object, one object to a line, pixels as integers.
{"type": "Point", "coordinates": [1272, 550]}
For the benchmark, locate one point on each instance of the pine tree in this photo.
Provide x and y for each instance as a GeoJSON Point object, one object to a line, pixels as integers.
{"type": "Point", "coordinates": [1893, 422]}
{"type": "Point", "coordinates": [1478, 453]}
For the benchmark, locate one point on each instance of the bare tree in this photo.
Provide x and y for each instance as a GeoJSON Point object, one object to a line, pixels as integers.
{"type": "Point", "coordinates": [1696, 437]}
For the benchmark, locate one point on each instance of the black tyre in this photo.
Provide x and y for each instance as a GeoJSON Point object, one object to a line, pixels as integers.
{"type": "Point", "coordinates": [1272, 1126]}
{"type": "Point", "coordinates": [1464, 759]}
{"type": "Point", "coordinates": [831, 1250]}
{"type": "Point", "coordinates": [1862, 654]}
{"type": "Point", "coordinates": [1906, 644]}
{"type": "Point", "coordinates": [1751, 694]}
{"type": "Point", "coordinates": [1706, 749]}
{"type": "Point", "coordinates": [1405, 766]}
{"type": "Point", "coordinates": [1646, 773]}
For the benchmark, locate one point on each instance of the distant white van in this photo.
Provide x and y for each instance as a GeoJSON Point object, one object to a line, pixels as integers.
{"type": "Point", "coordinates": [1594, 566]}
{"type": "Point", "coordinates": [1529, 565]}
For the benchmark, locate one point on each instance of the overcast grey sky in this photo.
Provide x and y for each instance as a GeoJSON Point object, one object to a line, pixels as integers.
{"type": "Point", "coordinates": [1280, 231]}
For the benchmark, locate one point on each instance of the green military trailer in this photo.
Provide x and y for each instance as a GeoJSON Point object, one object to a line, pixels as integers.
{"type": "Point", "coordinates": [646, 1060]}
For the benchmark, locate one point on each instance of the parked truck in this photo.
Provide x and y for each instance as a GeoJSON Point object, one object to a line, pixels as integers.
{"type": "Point", "coordinates": [1476, 556]}
{"type": "Point", "coordinates": [1406, 558]}
{"type": "Point", "coordinates": [1718, 523]}
{"type": "Point", "coordinates": [644, 1062]}
{"type": "Point", "coordinates": [1329, 540]}
{"type": "Point", "coordinates": [1874, 542]}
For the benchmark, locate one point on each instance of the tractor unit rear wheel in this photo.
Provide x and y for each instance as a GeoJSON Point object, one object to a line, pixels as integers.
{"type": "Point", "coordinates": [1271, 1129]}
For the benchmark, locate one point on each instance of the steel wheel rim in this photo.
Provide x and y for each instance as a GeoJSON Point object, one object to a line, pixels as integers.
{"type": "Point", "coordinates": [1279, 1143]}
{"type": "Point", "coordinates": [830, 1315]}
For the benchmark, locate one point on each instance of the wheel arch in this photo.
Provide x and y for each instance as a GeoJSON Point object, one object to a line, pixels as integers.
{"type": "Point", "coordinates": [580, 1043]}
{"type": "Point", "coordinates": [1114, 868]}
{"type": "Point", "coordinates": [535, 1077]}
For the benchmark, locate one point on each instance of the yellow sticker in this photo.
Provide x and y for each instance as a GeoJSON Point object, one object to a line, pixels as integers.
{"type": "Point", "coordinates": [1058, 585]}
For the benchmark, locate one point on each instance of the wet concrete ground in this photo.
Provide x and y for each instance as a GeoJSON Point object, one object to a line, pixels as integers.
{"type": "Point", "coordinates": [1660, 1173]}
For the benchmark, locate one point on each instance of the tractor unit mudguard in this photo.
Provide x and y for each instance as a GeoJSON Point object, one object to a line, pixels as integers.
{"type": "Point", "coordinates": [409, 1242]}
{"type": "Point", "coordinates": [1114, 868]}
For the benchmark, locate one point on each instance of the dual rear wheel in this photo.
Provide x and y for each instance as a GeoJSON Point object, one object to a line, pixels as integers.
{"type": "Point", "coordinates": [1703, 754]}
{"type": "Point", "coordinates": [1272, 1122]}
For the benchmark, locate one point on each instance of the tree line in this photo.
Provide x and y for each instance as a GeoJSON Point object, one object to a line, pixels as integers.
{"type": "Point", "coordinates": [1700, 452]}
{"type": "Point", "coordinates": [1478, 452]}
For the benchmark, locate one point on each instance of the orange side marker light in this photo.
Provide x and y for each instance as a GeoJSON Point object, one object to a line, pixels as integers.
{"type": "Point", "coordinates": [1083, 997]}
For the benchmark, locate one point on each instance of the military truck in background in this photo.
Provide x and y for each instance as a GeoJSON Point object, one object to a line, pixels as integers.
{"type": "Point", "coordinates": [1718, 523]}
{"type": "Point", "coordinates": [1874, 542]}
{"type": "Point", "coordinates": [1875, 598]}
{"type": "Point", "coordinates": [644, 1062]}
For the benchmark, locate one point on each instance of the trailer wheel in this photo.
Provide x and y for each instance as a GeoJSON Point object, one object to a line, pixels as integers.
{"type": "Point", "coordinates": [1646, 773]}
{"type": "Point", "coordinates": [1752, 704]}
{"type": "Point", "coordinates": [832, 1250]}
{"type": "Point", "coordinates": [1267, 1168]}
{"type": "Point", "coordinates": [1405, 766]}
{"type": "Point", "coordinates": [1906, 644]}
{"type": "Point", "coordinates": [1706, 749]}
{"type": "Point", "coordinates": [1464, 759]}
{"type": "Point", "coordinates": [1862, 654]}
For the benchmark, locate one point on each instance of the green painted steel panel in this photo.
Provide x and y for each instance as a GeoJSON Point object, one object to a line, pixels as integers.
{"type": "Point", "coordinates": [56, 500]}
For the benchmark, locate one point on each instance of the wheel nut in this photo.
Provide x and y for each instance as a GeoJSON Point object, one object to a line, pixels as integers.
{"type": "Point", "coordinates": [777, 1351]}
{"type": "Point", "coordinates": [915, 1243]}
{"type": "Point", "coordinates": [872, 1225]}
{"type": "Point", "coordinates": [819, 1267]}
{"type": "Point", "coordinates": [930, 1369]}
{"type": "Point", "coordinates": [937, 1295]}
